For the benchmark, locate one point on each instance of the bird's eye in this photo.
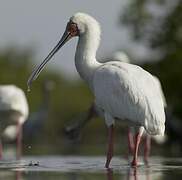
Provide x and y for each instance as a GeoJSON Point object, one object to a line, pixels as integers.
{"type": "Point", "coordinates": [73, 29]}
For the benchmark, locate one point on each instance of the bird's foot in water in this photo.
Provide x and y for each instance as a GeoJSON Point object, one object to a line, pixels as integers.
{"type": "Point", "coordinates": [134, 163]}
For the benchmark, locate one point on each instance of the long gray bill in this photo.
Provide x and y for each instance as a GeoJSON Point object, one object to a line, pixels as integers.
{"type": "Point", "coordinates": [66, 36]}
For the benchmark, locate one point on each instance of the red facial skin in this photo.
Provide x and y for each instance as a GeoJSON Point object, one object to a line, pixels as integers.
{"type": "Point", "coordinates": [73, 29]}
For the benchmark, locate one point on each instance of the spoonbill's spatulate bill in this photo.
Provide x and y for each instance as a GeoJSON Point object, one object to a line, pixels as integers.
{"type": "Point", "coordinates": [121, 90]}
{"type": "Point", "coordinates": [66, 36]}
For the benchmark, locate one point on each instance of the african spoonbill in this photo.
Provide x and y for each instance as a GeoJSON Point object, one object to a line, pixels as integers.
{"type": "Point", "coordinates": [122, 91]}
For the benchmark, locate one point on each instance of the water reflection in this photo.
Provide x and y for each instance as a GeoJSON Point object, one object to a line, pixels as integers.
{"type": "Point", "coordinates": [133, 174]}
{"type": "Point", "coordinates": [18, 175]}
{"type": "Point", "coordinates": [136, 174]}
{"type": "Point", "coordinates": [109, 174]}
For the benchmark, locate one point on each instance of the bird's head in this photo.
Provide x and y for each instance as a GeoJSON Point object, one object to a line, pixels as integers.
{"type": "Point", "coordinates": [77, 26]}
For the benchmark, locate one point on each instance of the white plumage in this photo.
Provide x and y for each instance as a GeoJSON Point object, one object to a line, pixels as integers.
{"type": "Point", "coordinates": [13, 111]}
{"type": "Point", "coordinates": [125, 91]}
{"type": "Point", "coordinates": [121, 90]}
{"type": "Point", "coordinates": [13, 98]}
{"type": "Point", "coordinates": [120, 56]}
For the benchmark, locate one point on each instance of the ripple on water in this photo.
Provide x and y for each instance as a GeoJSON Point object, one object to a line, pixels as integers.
{"type": "Point", "coordinates": [89, 164]}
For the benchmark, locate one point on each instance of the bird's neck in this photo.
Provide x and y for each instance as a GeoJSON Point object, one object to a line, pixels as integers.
{"type": "Point", "coordinates": [85, 57]}
{"type": "Point", "coordinates": [46, 100]}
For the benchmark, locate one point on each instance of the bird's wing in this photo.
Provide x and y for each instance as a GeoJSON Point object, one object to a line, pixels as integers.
{"type": "Point", "coordinates": [161, 91]}
{"type": "Point", "coordinates": [127, 91]}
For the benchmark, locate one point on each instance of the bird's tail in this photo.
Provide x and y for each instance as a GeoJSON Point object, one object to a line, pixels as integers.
{"type": "Point", "coordinates": [155, 127]}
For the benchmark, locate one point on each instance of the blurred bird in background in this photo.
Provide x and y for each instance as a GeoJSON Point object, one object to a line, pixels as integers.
{"type": "Point", "coordinates": [33, 127]}
{"type": "Point", "coordinates": [13, 113]}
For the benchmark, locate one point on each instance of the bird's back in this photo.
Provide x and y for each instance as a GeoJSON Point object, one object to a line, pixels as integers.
{"type": "Point", "coordinates": [13, 98]}
{"type": "Point", "coordinates": [127, 91]}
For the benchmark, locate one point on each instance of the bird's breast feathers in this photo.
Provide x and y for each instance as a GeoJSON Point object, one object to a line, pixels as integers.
{"type": "Point", "coordinates": [128, 92]}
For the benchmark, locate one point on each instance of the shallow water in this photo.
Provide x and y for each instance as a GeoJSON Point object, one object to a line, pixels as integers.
{"type": "Point", "coordinates": [85, 167]}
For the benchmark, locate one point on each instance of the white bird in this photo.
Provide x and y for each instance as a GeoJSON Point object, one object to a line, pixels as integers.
{"type": "Point", "coordinates": [74, 130]}
{"type": "Point", "coordinates": [121, 90]}
{"type": "Point", "coordinates": [13, 113]}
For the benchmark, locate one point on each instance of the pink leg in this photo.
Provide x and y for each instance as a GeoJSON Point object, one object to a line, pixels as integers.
{"type": "Point", "coordinates": [137, 142]}
{"type": "Point", "coordinates": [130, 142]}
{"type": "Point", "coordinates": [147, 148]}
{"type": "Point", "coordinates": [19, 141]}
{"type": "Point", "coordinates": [110, 146]}
{"type": "Point", "coordinates": [1, 150]}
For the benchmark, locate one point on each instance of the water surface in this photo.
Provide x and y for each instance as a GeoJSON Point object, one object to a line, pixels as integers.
{"type": "Point", "coordinates": [88, 167]}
